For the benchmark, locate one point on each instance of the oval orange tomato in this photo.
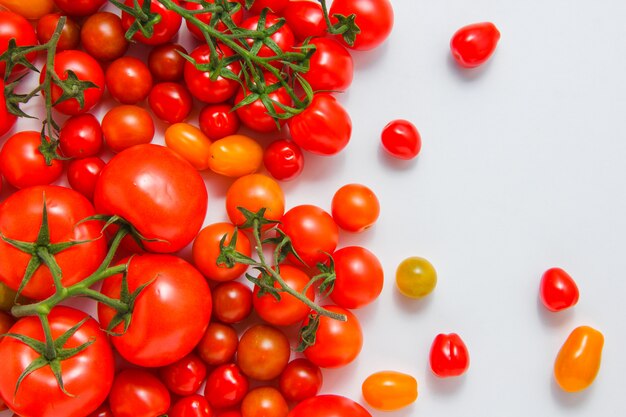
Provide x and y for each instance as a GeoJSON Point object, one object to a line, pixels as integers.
{"type": "Point", "coordinates": [389, 390]}
{"type": "Point", "coordinates": [235, 156]}
{"type": "Point", "coordinates": [189, 142]}
{"type": "Point", "coordinates": [578, 361]}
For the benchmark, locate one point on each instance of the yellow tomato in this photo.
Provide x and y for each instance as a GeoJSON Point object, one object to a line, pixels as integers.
{"type": "Point", "coordinates": [236, 156]}
{"type": "Point", "coordinates": [578, 361]}
{"type": "Point", "coordinates": [30, 9]}
{"type": "Point", "coordinates": [416, 277]}
{"type": "Point", "coordinates": [389, 390]}
{"type": "Point", "coordinates": [189, 142]}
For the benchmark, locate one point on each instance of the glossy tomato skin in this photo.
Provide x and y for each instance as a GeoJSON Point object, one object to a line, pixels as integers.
{"type": "Point", "coordinates": [206, 250]}
{"type": "Point", "coordinates": [578, 362]}
{"type": "Point", "coordinates": [389, 390]}
{"type": "Point", "coordinates": [133, 184]}
{"type": "Point", "coordinates": [218, 345]}
{"type": "Point", "coordinates": [401, 139]}
{"type": "Point", "coordinates": [226, 386]}
{"type": "Point", "coordinates": [301, 379]}
{"type": "Point", "coordinates": [87, 376]}
{"type": "Point", "coordinates": [557, 290]}
{"type": "Point", "coordinates": [473, 45]}
{"type": "Point", "coordinates": [448, 356]}
{"type": "Point", "coordinates": [416, 277]}
{"type": "Point", "coordinates": [79, 7]}
{"type": "Point", "coordinates": [355, 207]}
{"type": "Point", "coordinates": [170, 102]}
{"type": "Point", "coordinates": [359, 277]}
{"type": "Point", "coordinates": [199, 82]}
{"type": "Point", "coordinates": [31, 10]}
{"type": "Point", "coordinates": [255, 115]}
{"type": "Point", "coordinates": [305, 18]}
{"type": "Point", "coordinates": [274, 5]}
{"type": "Point", "coordinates": [82, 175]}
{"type": "Point", "coordinates": [7, 120]}
{"type": "Point", "coordinates": [70, 34]}
{"type": "Point", "coordinates": [81, 136]}
{"type": "Point", "coordinates": [126, 126]}
{"type": "Point", "coordinates": [263, 352]}
{"type": "Point", "coordinates": [20, 219]}
{"type": "Point", "coordinates": [283, 159]}
{"type": "Point", "coordinates": [23, 165]}
{"type": "Point", "coordinates": [166, 63]}
{"type": "Point", "coordinates": [190, 143]}
{"type": "Point", "coordinates": [129, 80]}
{"type": "Point", "coordinates": [14, 26]}
{"type": "Point", "coordinates": [218, 121]}
{"type": "Point", "coordinates": [103, 36]}
{"type": "Point", "coordinates": [138, 393]}
{"type": "Point", "coordinates": [331, 67]}
{"type": "Point", "coordinates": [254, 192]}
{"type": "Point", "coordinates": [170, 315]}
{"type": "Point", "coordinates": [329, 406]}
{"type": "Point", "coordinates": [236, 16]}
{"type": "Point", "coordinates": [192, 406]}
{"type": "Point", "coordinates": [235, 156]}
{"type": "Point", "coordinates": [185, 376]}
{"type": "Point", "coordinates": [374, 17]}
{"type": "Point", "coordinates": [232, 302]}
{"type": "Point", "coordinates": [264, 402]}
{"type": "Point", "coordinates": [324, 128]}
{"type": "Point", "coordinates": [164, 31]}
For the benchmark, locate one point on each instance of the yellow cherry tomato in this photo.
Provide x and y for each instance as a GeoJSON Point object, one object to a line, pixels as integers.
{"type": "Point", "coordinates": [30, 9]}
{"type": "Point", "coordinates": [189, 142]}
{"type": "Point", "coordinates": [416, 277]}
{"type": "Point", "coordinates": [578, 361]}
{"type": "Point", "coordinates": [389, 390]}
{"type": "Point", "coordinates": [235, 156]}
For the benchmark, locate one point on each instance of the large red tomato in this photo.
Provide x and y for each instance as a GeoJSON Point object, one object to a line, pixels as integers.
{"type": "Point", "coordinates": [158, 192]}
{"type": "Point", "coordinates": [329, 406]}
{"type": "Point", "coordinates": [87, 376]}
{"type": "Point", "coordinates": [169, 316]}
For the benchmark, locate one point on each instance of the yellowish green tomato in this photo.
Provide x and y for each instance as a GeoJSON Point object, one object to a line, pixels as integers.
{"type": "Point", "coordinates": [416, 277]}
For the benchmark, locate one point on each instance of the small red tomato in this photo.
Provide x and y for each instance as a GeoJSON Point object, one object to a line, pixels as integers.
{"type": "Point", "coordinates": [79, 7]}
{"type": "Point", "coordinates": [264, 402]}
{"type": "Point", "coordinates": [255, 115]}
{"type": "Point", "coordinates": [232, 302]}
{"type": "Point", "coordinates": [83, 174]}
{"type": "Point", "coordinates": [401, 139]}
{"type": "Point", "coordinates": [128, 80]}
{"type": "Point", "coordinates": [166, 63]}
{"type": "Point", "coordinates": [305, 18]}
{"type": "Point", "coordinates": [226, 386]}
{"type": "Point", "coordinates": [192, 406]}
{"type": "Point", "coordinates": [200, 83]}
{"type": "Point", "coordinates": [218, 345]}
{"type": "Point", "coordinates": [218, 121]}
{"type": "Point", "coordinates": [283, 159]}
{"type": "Point", "coordinates": [301, 379]}
{"type": "Point", "coordinates": [81, 136]}
{"type": "Point", "coordinates": [330, 67]}
{"type": "Point", "coordinates": [374, 18]}
{"type": "Point", "coordinates": [236, 16]}
{"type": "Point", "coordinates": [70, 34]}
{"type": "Point", "coordinates": [359, 277]}
{"type": "Point", "coordinates": [185, 376]}
{"type": "Point", "coordinates": [206, 250]}
{"type": "Point", "coordinates": [473, 44]}
{"type": "Point", "coordinates": [138, 393]}
{"type": "Point", "coordinates": [558, 290]}
{"type": "Point", "coordinates": [170, 102]}
{"type": "Point", "coordinates": [166, 26]}
{"type": "Point", "coordinates": [355, 207]}
{"type": "Point", "coordinates": [448, 356]}
{"type": "Point", "coordinates": [102, 36]}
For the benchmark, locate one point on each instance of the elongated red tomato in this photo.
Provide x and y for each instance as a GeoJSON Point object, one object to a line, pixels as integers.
{"type": "Point", "coordinates": [389, 390]}
{"type": "Point", "coordinates": [448, 356]}
{"type": "Point", "coordinates": [329, 406]}
{"type": "Point", "coordinates": [578, 362]}
{"type": "Point", "coordinates": [558, 290]}
{"type": "Point", "coordinates": [472, 45]}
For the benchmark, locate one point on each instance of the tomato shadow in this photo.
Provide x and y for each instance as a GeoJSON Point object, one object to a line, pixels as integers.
{"type": "Point", "coordinates": [411, 305]}
{"type": "Point", "coordinates": [363, 60]}
{"type": "Point", "coordinates": [445, 386]}
{"type": "Point", "coordinates": [553, 319]}
{"type": "Point", "coordinates": [569, 400]}
{"type": "Point", "coordinates": [467, 74]}
{"type": "Point", "coordinates": [394, 163]}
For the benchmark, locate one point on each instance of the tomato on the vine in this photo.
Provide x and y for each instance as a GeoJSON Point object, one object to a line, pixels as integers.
{"type": "Point", "coordinates": [218, 121]}
{"type": "Point", "coordinates": [558, 291]}
{"type": "Point", "coordinates": [401, 139]}
{"type": "Point", "coordinates": [14, 26]}
{"type": "Point", "coordinates": [359, 277]}
{"type": "Point", "coordinates": [226, 386]}
{"type": "Point", "coordinates": [200, 83]}
{"type": "Point", "coordinates": [82, 174]}
{"type": "Point", "coordinates": [79, 7]}
{"type": "Point", "coordinates": [128, 80]}
{"type": "Point", "coordinates": [578, 361]}
{"type": "Point", "coordinates": [283, 37]}
{"type": "Point", "coordinates": [301, 379]}
{"type": "Point", "coordinates": [255, 115]}
{"type": "Point", "coordinates": [185, 376]}
{"type": "Point", "coordinates": [127, 125]}
{"type": "Point", "coordinates": [263, 352]}
{"type": "Point", "coordinates": [448, 355]}
{"type": "Point", "coordinates": [305, 18]}
{"type": "Point", "coordinates": [330, 67]}
{"type": "Point", "coordinates": [373, 17]}
{"type": "Point", "coordinates": [283, 159]}
{"type": "Point", "coordinates": [329, 406]}
{"type": "Point", "coordinates": [163, 31]}
{"type": "Point", "coordinates": [389, 390]}
{"type": "Point", "coordinates": [254, 192]}
{"type": "Point", "coordinates": [355, 207]}
{"type": "Point", "coordinates": [81, 136]}
{"type": "Point", "coordinates": [102, 36]}
{"type": "Point", "coordinates": [472, 45]}
{"type": "Point", "coordinates": [170, 102]}
{"type": "Point", "coordinates": [232, 302]}
{"type": "Point", "coordinates": [70, 34]}
{"type": "Point", "coordinates": [236, 17]}
{"type": "Point", "coordinates": [206, 250]}
{"type": "Point", "coordinates": [138, 393]}
{"type": "Point", "coordinates": [264, 402]}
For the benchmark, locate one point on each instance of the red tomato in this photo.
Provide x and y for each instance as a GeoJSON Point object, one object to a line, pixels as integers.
{"type": "Point", "coordinates": [283, 37]}
{"type": "Point", "coordinates": [218, 345]}
{"type": "Point", "coordinates": [359, 277]}
{"type": "Point", "coordinates": [274, 5]}
{"type": "Point", "coordinates": [263, 352]}
{"type": "Point", "coordinates": [558, 291]}
{"type": "Point", "coordinates": [86, 68]}
{"type": "Point", "coordinates": [103, 411]}
{"type": "Point", "coordinates": [82, 175]}
{"type": "Point", "coordinates": [22, 163]}
{"type": "Point", "coordinates": [163, 31]}
{"type": "Point", "coordinates": [192, 406]}
{"type": "Point", "coordinates": [70, 34]}
{"type": "Point", "coordinates": [206, 249]}
{"type": "Point", "coordinates": [185, 376]}
{"type": "Point", "coordinates": [373, 17]}
{"type": "Point", "coordinates": [288, 310]}
{"type": "Point", "coordinates": [138, 393]}
{"type": "Point", "coordinates": [255, 115]}
{"type": "Point", "coordinates": [14, 26]}
{"type": "Point", "coordinates": [254, 192]}
{"type": "Point", "coordinates": [313, 233]}
{"type": "Point", "coordinates": [264, 402]}
{"type": "Point", "coordinates": [226, 386]}
{"type": "Point", "coordinates": [165, 62]}
{"type": "Point", "coordinates": [7, 120]}
{"type": "Point", "coordinates": [355, 207]}
{"type": "Point", "coordinates": [232, 302]}
{"type": "Point", "coordinates": [81, 136]}
{"type": "Point", "coordinates": [472, 45]}
{"type": "Point", "coordinates": [200, 83]}
{"type": "Point", "coordinates": [129, 80]}
{"type": "Point", "coordinates": [133, 184]}
{"type": "Point", "coordinates": [169, 316]}
{"type": "Point", "coordinates": [329, 406]}
{"type": "Point", "coordinates": [305, 18]}
{"type": "Point", "coordinates": [79, 7]}
{"type": "Point", "coordinates": [218, 121]}
{"type": "Point", "coordinates": [21, 219]}
{"type": "Point", "coordinates": [170, 102]}
{"type": "Point", "coordinates": [401, 139]}
{"type": "Point", "coordinates": [283, 159]}
{"type": "Point", "coordinates": [236, 16]}
{"type": "Point", "coordinates": [126, 126]}
{"type": "Point", "coordinates": [448, 356]}
{"type": "Point", "coordinates": [337, 343]}
{"type": "Point", "coordinates": [301, 379]}
{"type": "Point", "coordinates": [331, 67]}
{"type": "Point", "coordinates": [323, 128]}
{"type": "Point", "coordinates": [103, 36]}
{"type": "Point", "coordinates": [87, 376]}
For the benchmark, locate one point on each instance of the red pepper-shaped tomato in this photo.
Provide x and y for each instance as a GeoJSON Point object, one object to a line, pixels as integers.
{"type": "Point", "coordinates": [578, 361]}
{"type": "Point", "coordinates": [448, 356]}
{"type": "Point", "coordinates": [472, 45]}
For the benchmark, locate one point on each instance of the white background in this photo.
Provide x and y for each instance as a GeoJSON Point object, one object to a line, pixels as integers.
{"type": "Point", "coordinates": [522, 168]}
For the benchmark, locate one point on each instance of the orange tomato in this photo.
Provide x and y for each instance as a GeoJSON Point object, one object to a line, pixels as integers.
{"type": "Point", "coordinates": [389, 390]}
{"type": "Point", "coordinates": [31, 9]}
{"type": "Point", "coordinates": [189, 142]}
{"type": "Point", "coordinates": [254, 192]}
{"type": "Point", "coordinates": [206, 250]}
{"type": "Point", "coordinates": [235, 156]}
{"type": "Point", "coordinates": [578, 361]}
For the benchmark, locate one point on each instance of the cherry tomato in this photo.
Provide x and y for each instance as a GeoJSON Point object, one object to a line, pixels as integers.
{"type": "Point", "coordinates": [129, 80]}
{"type": "Point", "coordinates": [190, 143]}
{"type": "Point", "coordinates": [170, 102]}
{"type": "Point", "coordinates": [70, 34]}
{"type": "Point", "coordinates": [185, 376]}
{"type": "Point", "coordinates": [389, 390]}
{"type": "Point", "coordinates": [359, 277]}
{"type": "Point", "coordinates": [263, 352]}
{"type": "Point", "coordinates": [284, 160]}
{"type": "Point", "coordinates": [301, 379]}
{"type": "Point", "coordinates": [337, 343]}
{"type": "Point", "coordinates": [373, 17]}
{"type": "Point", "coordinates": [416, 277]}
{"type": "Point", "coordinates": [274, 5]}
{"type": "Point", "coordinates": [328, 406]}
{"type": "Point", "coordinates": [578, 362]}
{"type": "Point", "coordinates": [81, 136]}
{"type": "Point", "coordinates": [22, 163]}
{"type": "Point", "coordinates": [79, 7]}
{"type": "Point", "coordinates": [200, 83]}
{"type": "Point", "coordinates": [283, 37]}
{"type": "Point", "coordinates": [86, 68]}
{"type": "Point", "coordinates": [313, 232]}
{"type": "Point", "coordinates": [232, 302]}
{"type": "Point", "coordinates": [218, 121]}
{"type": "Point", "coordinates": [235, 156]}
{"type": "Point", "coordinates": [31, 10]}
{"type": "Point", "coordinates": [218, 345]}
{"type": "Point", "coordinates": [288, 310]}
{"type": "Point", "coordinates": [166, 63]}
{"type": "Point", "coordinates": [192, 406]}
{"type": "Point", "coordinates": [355, 207]}
{"type": "Point", "coordinates": [448, 356]}
{"type": "Point", "coordinates": [255, 115]}
{"type": "Point", "coordinates": [324, 128]}
{"type": "Point", "coordinates": [169, 317]}
{"type": "Point", "coordinates": [14, 26]}
{"type": "Point", "coordinates": [163, 31]}
{"type": "Point", "coordinates": [103, 411]}
{"type": "Point", "coordinates": [206, 250]}
{"type": "Point", "coordinates": [236, 17]}
{"type": "Point", "coordinates": [82, 175]}
{"type": "Point", "coordinates": [138, 393]}
{"type": "Point", "coordinates": [472, 45]}
{"type": "Point", "coordinates": [126, 126]}
{"type": "Point", "coordinates": [331, 67]}
{"type": "Point", "coordinates": [226, 386]}
{"type": "Point", "coordinates": [401, 139]}
{"type": "Point", "coordinates": [558, 291]}
{"type": "Point", "coordinates": [254, 192]}
{"type": "Point", "coordinates": [305, 18]}
{"type": "Point", "coordinates": [264, 402]}
{"type": "Point", "coordinates": [7, 120]}
{"type": "Point", "coordinates": [102, 36]}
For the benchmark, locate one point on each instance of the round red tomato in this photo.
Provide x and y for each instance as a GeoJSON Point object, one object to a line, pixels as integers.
{"type": "Point", "coordinates": [7, 120]}
{"type": "Point", "coordinates": [170, 102]}
{"type": "Point", "coordinates": [218, 345]}
{"type": "Point", "coordinates": [206, 250]}
{"type": "Point", "coordinates": [323, 128]}
{"type": "Point", "coordinates": [401, 139]}
{"type": "Point", "coordinates": [558, 290]}
{"type": "Point", "coordinates": [472, 45]}
{"type": "Point", "coordinates": [166, 63]}
{"type": "Point", "coordinates": [226, 386]}
{"type": "Point", "coordinates": [200, 83]}
{"type": "Point", "coordinates": [126, 126]}
{"type": "Point", "coordinates": [138, 393]}
{"type": "Point", "coordinates": [236, 17]}
{"type": "Point", "coordinates": [163, 31]}
{"type": "Point", "coordinates": [232, 302]}
{"type": "Point", "coordinates": [329, 406]}
{"type": "Point", "coordinates": [283, 159]}
{"type": "Point", "coordinates": [355, 207]}
{"type": "Point", "coordinates": [301, 379]}
{"type": "Point", "coordinates": [305, 18]}
{"type": "Point", "coordinates": [254, 192]}
{"type": "Point", "coordinates": [14, 26]}
{"type": "Point", "coordinates": [133, 185]}
{"type": "Point", "coordinates": [70, 34]}
{"type": "Point", "coordinates": [331, 67]}
{"type": "Point", "coordinates": [192, 406]}
{"type": "Point", "coordinates": [359, 277]}
{"type": "Point", "coordinates": [263, 352]}
{"type": "Point", "coordinates": [184, 376]}
{"type": "Point", "coordinates": [448, 356]}
{"type": "Point", "coordinates": [264, 402]}
{"type": "Point", "coordinates": [129, 80]}
{"type": "Point", "coordinates": [82, 175]}
{"type": "Point", "coordinates": [274, 5]}
{"type": "Point", "coordinates": [103, 36]}
{"type": "Point", "coordinates": [81, 136]}
{"type": "Point", "coordinates": [255, 115]}
{"type": "Point", "coordinates": [21, 219]}
{"type": "Point", "coordinates": [169, 316]}
{"type": "Point", "coordinates": [87, 376]}
{"type": "Point", "coordinates": [79, 7]}
{"type": "Point", "coordinates": [373, 17]}
{"type": "Point", "coordinates": [218, 121]}
{"type": "Point", "coordinates": [283, 37]}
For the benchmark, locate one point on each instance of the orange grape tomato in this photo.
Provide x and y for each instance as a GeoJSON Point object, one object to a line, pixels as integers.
{"type": "Point", "coordinates": [189, 142]}
{"type": "Point", "coordinates": [578, 361]}
{"type": "Point", "coordinates": [31, 9]}
{"type": "Point", "coordinates": [389, 390]}
{"type": "Point", "coordinates": [235, 156]}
